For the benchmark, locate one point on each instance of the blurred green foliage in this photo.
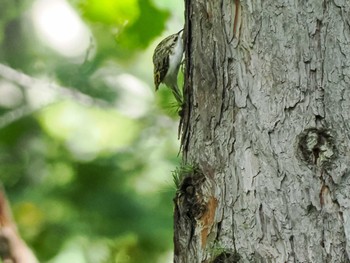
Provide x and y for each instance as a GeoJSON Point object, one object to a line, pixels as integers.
{"type": "Point", "coordinates": [89, 180]}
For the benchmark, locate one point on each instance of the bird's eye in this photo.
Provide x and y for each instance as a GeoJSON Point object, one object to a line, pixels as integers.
{"type": "Point", "coordinates": [175, 39]}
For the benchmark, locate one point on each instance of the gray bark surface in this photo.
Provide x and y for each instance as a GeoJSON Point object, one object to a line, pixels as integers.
{"type": "Point", "coordinates": [267, 121]}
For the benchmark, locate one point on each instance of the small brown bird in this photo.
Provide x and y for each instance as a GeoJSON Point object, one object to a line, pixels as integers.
{"type": "Point", "coordinates": [167, 59]}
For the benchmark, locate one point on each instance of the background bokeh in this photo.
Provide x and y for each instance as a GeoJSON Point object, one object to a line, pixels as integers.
{"type": "Point", "coordinates": [86, 147]}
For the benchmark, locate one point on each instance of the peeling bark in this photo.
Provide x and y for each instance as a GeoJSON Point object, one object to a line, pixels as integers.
{"type": "Point", "coordinates": [267, 120]}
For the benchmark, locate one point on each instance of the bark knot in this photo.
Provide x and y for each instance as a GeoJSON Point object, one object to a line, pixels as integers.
{"type": "Point", "coordinates": [189, 196]}
{"type": "Point", "coordinates": [227, 257]}
{"type": "Point", "coordinates": [316, 147]}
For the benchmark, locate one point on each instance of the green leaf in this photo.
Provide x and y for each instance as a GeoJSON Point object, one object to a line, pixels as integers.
{"type": "Point", "coordinates": [150, 24]}
{"type": "Point", "coordinates": [110, 12]}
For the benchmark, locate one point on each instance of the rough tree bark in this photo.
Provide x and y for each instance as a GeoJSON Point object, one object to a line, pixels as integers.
{"type": "Point", "coordinates": [267, 122]}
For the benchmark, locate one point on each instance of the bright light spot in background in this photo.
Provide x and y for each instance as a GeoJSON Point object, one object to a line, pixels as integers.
{"type": "Point", "coordinates": [72, 252]}
{"type": "Point", "coordinates": [134, 95]}
{"type": "Point", "coordinates": [88, 132]}
{"type": "Point", "coordinates": [41, 95]}
{"type": "Point", "coordinates": [10, 94]}
{"type": "Point", "coordinates": [58, 25]}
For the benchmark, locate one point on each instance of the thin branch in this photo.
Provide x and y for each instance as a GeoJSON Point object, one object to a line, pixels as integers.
{"type": "Point", "coordinates": [29, 82]}
{"type": "Point", "coordinates": [12, 116]}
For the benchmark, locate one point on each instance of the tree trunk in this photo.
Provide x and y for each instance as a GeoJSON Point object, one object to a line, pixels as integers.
{"type": "Point", "coordinates": [267, 123]}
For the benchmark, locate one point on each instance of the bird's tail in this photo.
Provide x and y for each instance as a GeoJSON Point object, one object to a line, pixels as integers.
{"type": "Point", "coordinates": [177, 94]}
